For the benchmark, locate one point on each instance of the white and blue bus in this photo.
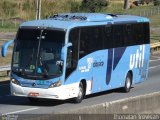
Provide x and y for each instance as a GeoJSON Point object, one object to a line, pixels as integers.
{"type": "Point", "coordinates": [76, 54]}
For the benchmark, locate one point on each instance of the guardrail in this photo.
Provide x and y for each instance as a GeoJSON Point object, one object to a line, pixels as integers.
{"type": "Point", "coordinates": [4, 39]}
{"type": "Point", "coordinates": [155, 47]}
{"type": "Point", "coordinates": [6, 68]}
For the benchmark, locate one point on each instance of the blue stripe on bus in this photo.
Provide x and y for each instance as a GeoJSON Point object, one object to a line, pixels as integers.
{"type": "Point", "coordinates": [118, 53]}
{"type": "Point", "coordinates": [109, 65]}
{"type": "Point", "coordinates": [113, 61]}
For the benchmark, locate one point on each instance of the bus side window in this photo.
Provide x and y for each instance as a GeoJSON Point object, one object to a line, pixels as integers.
{"type": "Point", "coordinates": [72, 53]}
{"type": "Point", "coordinates": [84, 42]}
{"type": "Point", "coordinates": [129, 35]}
{"type": "Point", "coordinates": [146, 33]}
{"type": "Point", "coordinates": [69, 58]}
{"type": "Point", "coordinates": [139, 33]}
{"type": "Point", "coordinates": [91, 40]}
{"type": "Point", "coordinates": [108, 43]}
{"type": "Point", "coordinates": [97, 38]}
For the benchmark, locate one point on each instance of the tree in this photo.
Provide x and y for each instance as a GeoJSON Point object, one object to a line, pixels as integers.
{"type": "Point", "coordinates": [93, 5]}
{"type": "Point", "coordinates": [156, 2]}
{"type": "Point", "coordinates": [8, 8]}
{"type": "Point", "coordinates": [126, 4]}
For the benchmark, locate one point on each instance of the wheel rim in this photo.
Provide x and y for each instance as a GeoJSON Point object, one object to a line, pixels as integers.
{"type": "Point", "coordinates": [80, 92]}
{"type": "Point", "coordinates": [128, 83]}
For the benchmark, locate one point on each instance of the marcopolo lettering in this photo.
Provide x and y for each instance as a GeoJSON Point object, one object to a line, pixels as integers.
{"type": "Point", "coordinates": [98, 64]}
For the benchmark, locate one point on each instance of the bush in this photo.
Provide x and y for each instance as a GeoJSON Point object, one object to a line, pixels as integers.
{"type": "Point", "coordinates": [93, 5]}
{"type": "Point", "coordinates": [8, 8]}
{"type": "Point", "coordinates": [156, 2]}
{"type": "Point", "coordinates": [74, 6]}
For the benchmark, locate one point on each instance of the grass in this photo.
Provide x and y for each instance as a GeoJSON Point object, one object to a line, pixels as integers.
{"type": "Point", "coordinates": [155, 21]}
{"type": "Point", "coordinates": [8, 29]}
{"type": "Point", "coordinates": [8, 26]}
{"type": "Point", "coordinates": [155, 28]}
{"type": "Point", "coordinates": [27, 10]}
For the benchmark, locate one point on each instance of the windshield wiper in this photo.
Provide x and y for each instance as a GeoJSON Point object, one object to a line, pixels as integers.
{"type": "Point", "coordinates": [19, 72]}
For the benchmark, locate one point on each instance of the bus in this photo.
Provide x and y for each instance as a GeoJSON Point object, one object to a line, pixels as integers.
{"type": "Point", "coordinates": [72, 55]}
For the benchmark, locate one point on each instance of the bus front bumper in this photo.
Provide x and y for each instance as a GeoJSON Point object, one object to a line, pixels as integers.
{"type": "Point", "coordinates": [62, 92]}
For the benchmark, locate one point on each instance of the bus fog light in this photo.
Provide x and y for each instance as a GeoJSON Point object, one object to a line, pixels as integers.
{"type": "Point", "coordinates": [56, 84]}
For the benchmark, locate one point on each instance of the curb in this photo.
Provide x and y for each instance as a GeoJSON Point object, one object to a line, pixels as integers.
{"type": "Point", "coordinates": [138, 104]}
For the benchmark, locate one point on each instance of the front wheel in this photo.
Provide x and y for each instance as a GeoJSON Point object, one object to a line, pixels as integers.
{"type": "Point", "coordinates": [128, 83]}
{"type": "Point", "coordinates": [80, 96]}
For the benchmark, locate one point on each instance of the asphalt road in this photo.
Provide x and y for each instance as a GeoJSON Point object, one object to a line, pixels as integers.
{"type": "Point", "coordinates": [19, 105]}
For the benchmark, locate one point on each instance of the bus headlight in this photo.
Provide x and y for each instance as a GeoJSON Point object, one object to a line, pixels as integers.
{"type": "Point", "coordinates": [56, 84]}
{"type": "Point", "coordinates": [15, 81]}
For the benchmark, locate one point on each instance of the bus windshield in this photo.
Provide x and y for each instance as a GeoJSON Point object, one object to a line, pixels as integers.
{"type": "Point", "coordinates": [36, 53]}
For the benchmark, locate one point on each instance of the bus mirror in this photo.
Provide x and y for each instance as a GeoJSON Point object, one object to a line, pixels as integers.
{"type": "Point", "coordinates": [68, 45]}
{"type": "Point", "coordinates": [5, 48]}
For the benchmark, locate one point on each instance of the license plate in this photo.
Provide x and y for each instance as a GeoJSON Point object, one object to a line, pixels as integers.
{"type": "Point", "coordinates": [33, 94]}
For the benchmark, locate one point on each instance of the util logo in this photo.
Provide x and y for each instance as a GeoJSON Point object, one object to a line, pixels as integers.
{"type": "Point", "coordinates": [137, 59]}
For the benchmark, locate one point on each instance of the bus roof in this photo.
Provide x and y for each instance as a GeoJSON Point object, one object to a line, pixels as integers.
{"type": "Point", "coordinates": [71, 20]}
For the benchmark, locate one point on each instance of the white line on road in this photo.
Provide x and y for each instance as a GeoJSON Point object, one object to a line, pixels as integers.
{"type": "Point", "coordinates": [154, 60]}
{"type": "Point", "coordinates": [19, 111]}
{"type": "Point", "coordinates": [154, 67]}
{"type": "Point", "coordinates": [155, 57]}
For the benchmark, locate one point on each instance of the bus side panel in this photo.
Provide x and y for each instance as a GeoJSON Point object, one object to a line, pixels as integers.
{"type": "Point", "coordinates": [91, 68]}
{"type": "Point", "coordinates": [107, 69]}
{"type": "Point", "coordinates": [141, 64]}
{"type": "Point", "coordinates": [135, 59]}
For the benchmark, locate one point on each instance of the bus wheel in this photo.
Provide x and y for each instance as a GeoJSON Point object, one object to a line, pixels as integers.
{"type": "Point", "coordinates": [80, 96]}
{"type": "Point", "coordinates": [128, 83]}
{"type": "Point", "coordinates": [33, 100]}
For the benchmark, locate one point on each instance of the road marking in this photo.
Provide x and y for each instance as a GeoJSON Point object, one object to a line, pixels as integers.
{"type": "Point", "coordinates": [154, 60]}
{"type": "Point", "coordinates": [19, 111]}
{"type": "Point", "coordinates": [154, 67]}
{"type": "Point", "coordinates": [155, 57]}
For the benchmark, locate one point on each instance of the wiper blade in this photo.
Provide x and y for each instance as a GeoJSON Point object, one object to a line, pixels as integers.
{"type": "Point", "coordinates": [35, 77]}
{"type": "Point", "coordinates": [19, 72]}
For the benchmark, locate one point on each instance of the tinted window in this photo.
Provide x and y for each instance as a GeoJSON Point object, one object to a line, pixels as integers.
{"type": "Point", "coordinates": [91, 39]}
{"type": "Point", "coordinates": [36, 52]}
{"type": "Point", "coordinates": [108, 42]}
{"type": "Point", "coordinates": [72, 53]}
{"type": "Point", "coordinates": [74, 39]}
{"type": "Point", "coordinates": [141, 33]}
{"type": "Point", "coordinates": [118, 35]}
{"type": "Point", "coordinates": [112, 36]}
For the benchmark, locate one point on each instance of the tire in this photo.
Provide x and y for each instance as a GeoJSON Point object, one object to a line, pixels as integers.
{"type": "Point", "coordinates": [33, 100]}
{"type": "Point", "coordinates": [128, 83]}
{"type": "Point", "coordinates": [80, 96]}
